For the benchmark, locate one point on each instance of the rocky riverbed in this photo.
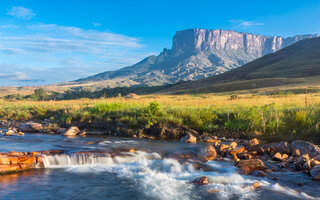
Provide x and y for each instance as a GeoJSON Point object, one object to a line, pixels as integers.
{"type": "Point", "coordinates": [216, 166]}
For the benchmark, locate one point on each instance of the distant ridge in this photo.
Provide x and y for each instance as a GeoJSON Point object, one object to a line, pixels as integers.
{"type": "Point", "coordinates": [286, 66]}
{"type": "Point", "coordinates": [196, 54]}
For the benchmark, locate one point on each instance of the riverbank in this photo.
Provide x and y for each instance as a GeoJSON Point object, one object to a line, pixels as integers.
{"type": "Point", "coordinates": [267, 117]}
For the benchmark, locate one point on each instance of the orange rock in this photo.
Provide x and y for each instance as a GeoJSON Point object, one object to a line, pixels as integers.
{"type": "Point", "coordinates": [223, 147]}
{"type": "Point", "coordinates": [245, 170]}
{"type": "Point", "coordinates": [252, 164]}
{"type": "Point", "coordinates": [27, 160]}
{"type": "Point", "coordinates": [207, 152]}
{"type": "Point", "coordinates": [253, 142]}
{"type": "Point", "coordinates": [9, 168]}
{"type": "Point", "coordinates": [21, 133]}
{"type": "Point", "coordinates": [255, 185]}
{"type": "Point", "coordinates": [4, 161]}
{"type": "Point", "coordinates": [213, 191]}
{"type": "Point", "coordinates": [14, 160]}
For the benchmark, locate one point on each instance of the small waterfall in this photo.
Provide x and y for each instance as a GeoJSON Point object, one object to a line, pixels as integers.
{"type": "Point", "coordinates": [91, 158]}
{"type": "Point", "coordinates": [76, 159]}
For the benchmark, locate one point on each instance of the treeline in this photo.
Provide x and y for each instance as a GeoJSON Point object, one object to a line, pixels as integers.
{"type": "Point", "coordinates": [78, 93]}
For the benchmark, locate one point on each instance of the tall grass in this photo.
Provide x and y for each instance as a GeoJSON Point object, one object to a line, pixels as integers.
{"type": "Point", "coordinates": [282, 117]}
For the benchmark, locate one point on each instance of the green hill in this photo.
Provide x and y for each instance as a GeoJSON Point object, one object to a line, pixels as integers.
{"type": "Point", "coordinates": [292, 65]}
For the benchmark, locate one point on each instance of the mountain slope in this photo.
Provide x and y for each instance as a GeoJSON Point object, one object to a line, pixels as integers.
{"type": "Point", "coordinates": [196, 54]}
{"type": "Point", "coordinates": [286, 66]}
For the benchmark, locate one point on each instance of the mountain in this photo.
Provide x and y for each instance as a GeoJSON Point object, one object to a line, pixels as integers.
{"type": "Point", "coordinates": [290, 65]}
{"type": "Point", "coordinates": [196, 54]}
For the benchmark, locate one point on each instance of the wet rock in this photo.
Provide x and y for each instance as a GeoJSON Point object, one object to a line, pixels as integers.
{"type": "Point", "coordinates": [301, 184]}
{"type": "Point", "coordinates": [72, 131]}
{"type": "Point", "coordinates": [201, 180]}
{"type": "Point", "coordinates": [291, 159]}
{"type": "Point", "coordinates": [317, 157]}
{"type": "Point", "coordinates": [215, 142]}
{"type": "Point", "coordinates": [232, 146]}
{"type": "Point", "coordinates": [189, 138]}
{"type": "Point", "coordinates": [284, 156]}
{"type": "Point", "coordinates": [315, 173]}
{"type": "Point", "coordinates": [277, 157]}
{"type": "Point", "coordinates": [9, 168]}
{"type": "Point", "coordinates": [223, 147]}
{"type": "Point", "coordinates": [9, 132]}
{"type": "Point", "coordinates": [31, 127]}
{"type": "Point", "coordinates": [314, 162]}
{"type": "Point", "coordinates": [82, 133]}
{"type": "Point", "coordinates": [253, 142]}
{"type": "Point", "coordinates": [301, 161]}
{"type": "Point", "coordinates": [244, 155]}
{"type": "Point", "coordinates": [252, 164]}
{"type": "Point", "coordinates": [306, 148]}
{"type": "Point", "coordinates": [245, 170]}
{"type": "Point", "coordinates": [306, 166]}
{"type": "Point", "coordinates": [255, 185]}
{"type": "Point", "coordinates": [21, 133]}
{"type": "Point", "coordinates": [207, 152]}
{"type": "Point", "coordinates": [269, 171]}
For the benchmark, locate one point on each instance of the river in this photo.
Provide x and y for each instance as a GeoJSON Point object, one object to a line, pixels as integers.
{"type": "Point", "coordinates": [148, 172]}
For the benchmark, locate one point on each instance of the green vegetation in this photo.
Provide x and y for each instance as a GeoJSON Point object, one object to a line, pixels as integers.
{"type": "Point", "coordinates": [271, 121]}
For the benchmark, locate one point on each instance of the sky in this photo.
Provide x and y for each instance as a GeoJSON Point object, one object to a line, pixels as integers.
{"type": "Point", "coordinates": [51, 41]}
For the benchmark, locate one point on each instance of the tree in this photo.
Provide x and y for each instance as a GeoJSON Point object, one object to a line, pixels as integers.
{"type": "Point", "coordinates": [40, 94]}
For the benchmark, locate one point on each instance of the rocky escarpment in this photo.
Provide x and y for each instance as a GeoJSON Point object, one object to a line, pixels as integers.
{"type": "Point", "coordinates": [196, 54]}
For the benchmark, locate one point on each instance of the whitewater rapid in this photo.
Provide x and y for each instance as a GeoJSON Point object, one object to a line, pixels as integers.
{"type": "Point", "coordinates": [158, 177]}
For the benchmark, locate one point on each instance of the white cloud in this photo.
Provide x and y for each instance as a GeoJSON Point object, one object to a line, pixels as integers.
{"type": "Point", "coordinates": [245, 24]}
{"type": "Point", "coordinates": [44, 38]}
{"type": "Point", "coordinates": [14, 76]}
{"type": "Point", "coordinates": [50, 53]}
{"type": "Point", "coordinates": [21, 12]}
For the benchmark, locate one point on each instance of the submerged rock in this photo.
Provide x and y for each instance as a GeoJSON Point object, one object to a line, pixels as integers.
{"type": "Point", "coordinates": [31, 127]}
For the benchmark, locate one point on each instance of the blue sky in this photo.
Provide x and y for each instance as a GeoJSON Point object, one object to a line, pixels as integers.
{"type": "Point", "coordinates": [50, 41]}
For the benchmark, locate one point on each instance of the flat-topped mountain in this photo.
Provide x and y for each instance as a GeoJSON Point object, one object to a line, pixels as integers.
{"type": "Point", "coordinates": [196, 54]}
{"type": "Point", "coordinates": [295, 64]}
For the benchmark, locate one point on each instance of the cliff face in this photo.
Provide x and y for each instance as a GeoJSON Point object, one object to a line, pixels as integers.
{"type": "Point", "coordinates": [196, 54]}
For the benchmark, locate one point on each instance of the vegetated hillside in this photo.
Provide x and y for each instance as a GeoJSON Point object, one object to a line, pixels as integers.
{"type": "Point", "coordinates": [291, 65]}
{"type": "Point", "coordinates": [195, 54]}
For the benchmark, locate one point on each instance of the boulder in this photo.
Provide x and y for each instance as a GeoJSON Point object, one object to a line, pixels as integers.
{"type": "Point", "coordinates": [72, 131]}
{"type": "Point", "coordinates": [251, 165]}
{"type": "Point", "coordinates": [201, 180]}
{"type": "Point", "coordinates": [306, 148]}
{"type": "Point", "coordinates": [189, 138]}
{"type": "Point", "coordinates": [9, 132]}
{"type": "Point", "coordinates": [301, 161]}
{"type": "Point", "coordinates": [223, 147]}
{"type": "Point", "coordinates": [315, 173]}
{"type": "Point", "coordinates": [31, 127]}
{"type": "Point", "coordinates": [207, 152]}
{"type": "Point", "coordinates": [281, 147]}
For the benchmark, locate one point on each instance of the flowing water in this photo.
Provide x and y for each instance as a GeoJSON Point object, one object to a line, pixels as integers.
{"type": "Point", "coordinates": [88, 170]}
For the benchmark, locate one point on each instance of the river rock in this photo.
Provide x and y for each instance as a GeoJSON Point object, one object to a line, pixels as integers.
{"type": "Point", "coordinates": [296, 153]}
{"type": "Point", "coordinates": [281, 147]}
{"type": "Point", "coordinates": [232, 145]}
{"type": "Point", "coordinates": [253, 142]}
{"type": "Point", "coordinates": [207, 152]}
{"type": "Point", "coordinates": [277, 157]}
{"type": "Point", "coordinates": [315, 173]}
{"type": "Point", "coordinates": [306, 148]}
{"type": "Point", "coordinates": [251, 165]}
{"type": "Point", "coordinates": [255, 185]}
{"type": "Point", "coordinates": [314, 162]}
{"type": "Point", "coordinates": [31, 127]}
{"type": "Point", "coordinates": [301, 161]}
{"type": "Point", "coordinates": [189, 138]}
{"type": "Point", "coordinates": [201, 180]}
{"type": "Point", "coordinates": [9, 132]}
{"type": "Point", "coordinates": [72, 131]}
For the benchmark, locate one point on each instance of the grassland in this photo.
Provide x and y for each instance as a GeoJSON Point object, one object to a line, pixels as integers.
{"type": "Point", "coordinates": [278, 116]}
